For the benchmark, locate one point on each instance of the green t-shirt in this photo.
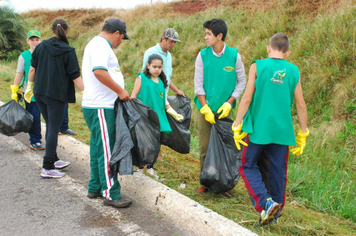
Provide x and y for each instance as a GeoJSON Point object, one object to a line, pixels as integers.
{"type": "Point", "coordinates": [219, 77]}
{"type": "Point", "coordinates": [153, 95]}
{"type": "Point", "coordinates": [269, 118]}
{"type": "Point", "coordinates": [27, 56]}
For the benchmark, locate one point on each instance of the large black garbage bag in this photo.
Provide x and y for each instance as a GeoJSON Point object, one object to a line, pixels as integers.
{"type": "Point", "coordinates": [145, 135]}
{"type": "Point", "coordinates": [14, 119]}
{"type": "Point", "coordinates": [179, 139]}
{"type": "Point", "coordinates": [125, 120]}
{"type": "Point", "coordinates": [220, 170]}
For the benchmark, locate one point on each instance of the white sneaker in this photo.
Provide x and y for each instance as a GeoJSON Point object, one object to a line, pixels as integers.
{"type": "Point", "coordinates": [55, 174]}
{"type": "Point", "coordinates": [61, 164]}
{"type": "Point", "coordinates": [151, 171]}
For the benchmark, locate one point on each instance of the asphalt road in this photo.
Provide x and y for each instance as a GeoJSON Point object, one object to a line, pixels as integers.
{"type": "Point", "coordinates": [31, 205]}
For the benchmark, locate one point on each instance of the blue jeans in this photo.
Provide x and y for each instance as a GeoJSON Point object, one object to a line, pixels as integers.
{"type": "Point", "coordinates": [35, 131]}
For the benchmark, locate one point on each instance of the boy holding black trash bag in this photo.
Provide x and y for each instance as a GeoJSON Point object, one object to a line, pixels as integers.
{"type": "Point", "coordinates": [21, 80]}
{"type": "Point", "coordinates": [219, 80]}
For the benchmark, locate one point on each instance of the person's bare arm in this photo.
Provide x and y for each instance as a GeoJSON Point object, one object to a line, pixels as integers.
{"type": "Point", "coordinates": [301, 107]}
{"type": "Point", "coordinates": [137, 87]}
{"type": "Point", "coordinates": [78, 82]}
{"type": "Point", "coordinates": [202, 100]}
{"type": "Point", "coordinates": [230, 100]}
{"type": "Point", "coordinates": [248, 95]}
{"type": "Point", "coordinates": [31, 74]}
{"type": "Point", "coordinates": [104, 77]}
{"type": "Point", "coordinates": [175, 89]}
{"type": "Point", "coordinates": [18, 78]}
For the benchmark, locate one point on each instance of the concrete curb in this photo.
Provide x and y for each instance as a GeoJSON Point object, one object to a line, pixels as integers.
{"type": "Point", "coordinates": [187, 213]}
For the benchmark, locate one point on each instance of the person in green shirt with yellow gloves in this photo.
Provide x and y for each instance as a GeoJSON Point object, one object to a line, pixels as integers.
{"type": "Point", "coordinates": [21, 80]}
{"type": "Point", "coordinates": [264, 118]}
{"type": "Point", "coordinates": [219, 80]}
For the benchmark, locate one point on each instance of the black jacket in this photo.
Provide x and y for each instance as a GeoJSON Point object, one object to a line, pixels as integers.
{"type": "Point", "coordinates": [56, 67]}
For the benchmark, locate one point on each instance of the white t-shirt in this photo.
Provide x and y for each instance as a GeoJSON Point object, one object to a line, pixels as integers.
{"type": "Point", "coordinates": [98, 54]}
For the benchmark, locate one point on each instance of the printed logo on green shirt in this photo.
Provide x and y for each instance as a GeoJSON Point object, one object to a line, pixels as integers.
{"type": "Point", "coordinates": [161, 94]}
{"type": "Point", "coordinates": [278, 76]}
{"type": "Point", "coordinates": [229, 68]}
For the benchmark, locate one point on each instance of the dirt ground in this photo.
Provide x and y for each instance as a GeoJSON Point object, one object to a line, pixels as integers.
{"type": "Point", "coordinates": [191, 7]}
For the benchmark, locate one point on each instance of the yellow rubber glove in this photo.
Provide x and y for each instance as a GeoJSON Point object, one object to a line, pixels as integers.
{"type": "Point", "coordinates": [225, 110]}
{"type": "Point", "coordinates": [239, 135]}
{"type": "Point", "coordinates": [14, 89]}
{"type": "Point", "coordinates": [174, 114]}
{"type": "Point", "coordinates": [301, 140]}
{"type": "Point", "coordinates": [29, 91]}
{"type": "Point", "coordinates": [209, 115]}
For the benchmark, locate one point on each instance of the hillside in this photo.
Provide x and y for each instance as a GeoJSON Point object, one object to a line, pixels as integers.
{"type": "Point", "coordinates": [321, 184]}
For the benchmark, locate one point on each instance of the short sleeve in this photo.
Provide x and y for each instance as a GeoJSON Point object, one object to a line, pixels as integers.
{"type": "Point", "coordinates": [20, 65]}
{"type": "Point", "coordinates": [72, 67]}
{"type": "Point", "coordinates": [99, 58]}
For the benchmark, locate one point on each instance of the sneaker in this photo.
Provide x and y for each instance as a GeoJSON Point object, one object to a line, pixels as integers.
{"type": "Point", "coordinates": [68, 132]}
{"type": "Point", "coordinates": [51, 174]}
{"type": "Point", "coordinates": [119, 203]}
{"type": "Point", "coordinates": [276, 216]}
{"type": "Point", "coordinates": [202, 189]}
{"type": "Point", "coordinates": [267, 215]}
{"type": "Point", "coordinates": [94, 195]}
{"type": "Point", "coordinates": [151, 171]}
{"type": "Point", "coordinates": [37, 146]}
{"type": "Point", "coordinates": [61, 164]}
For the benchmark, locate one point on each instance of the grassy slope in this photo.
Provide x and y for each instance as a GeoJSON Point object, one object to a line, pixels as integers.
{"type": "Point", "coordinates": [321, 188]}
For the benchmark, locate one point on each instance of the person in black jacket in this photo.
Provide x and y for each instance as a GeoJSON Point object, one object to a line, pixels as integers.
{"type": "Point", "coordinates": [53, 73]}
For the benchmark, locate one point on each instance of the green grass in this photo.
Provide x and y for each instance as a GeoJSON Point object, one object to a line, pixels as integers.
{"type": "Point", "coordinates": [321, 183]}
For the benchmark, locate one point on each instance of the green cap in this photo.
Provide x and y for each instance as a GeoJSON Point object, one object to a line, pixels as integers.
{"type": "Point", "coordinates": [33, 33]}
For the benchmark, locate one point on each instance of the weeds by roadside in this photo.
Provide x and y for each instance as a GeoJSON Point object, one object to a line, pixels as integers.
{"type": "Point", "coordinates": [321, 184]}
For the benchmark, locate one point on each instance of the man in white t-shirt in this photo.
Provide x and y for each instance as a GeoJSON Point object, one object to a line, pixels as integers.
{"type": "Point", "coordinates": [103, 83]}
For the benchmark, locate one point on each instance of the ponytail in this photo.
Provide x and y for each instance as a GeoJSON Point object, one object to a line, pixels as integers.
{"type": "Point", "coordinates": [59, 27]}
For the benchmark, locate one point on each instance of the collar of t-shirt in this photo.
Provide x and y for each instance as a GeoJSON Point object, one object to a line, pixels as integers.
{"type": "Point", "coordinates": [105, 39]}
{"type": "Point", "coordinates": [159, 49]}
{"type": "Point", "coordinates": [221, 53]}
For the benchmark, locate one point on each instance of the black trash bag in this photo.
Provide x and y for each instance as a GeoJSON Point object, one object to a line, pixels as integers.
{"type": "Point", "coordinates": [179, 139]}
{"type": "Point", "coordinates": [14, 119]}
{"type": "Point", "coordinates": [145, 135]}
{"type": "Point", "coordinates": [220, 170]}
{"type": "Point", "coordinates": [125, 119]}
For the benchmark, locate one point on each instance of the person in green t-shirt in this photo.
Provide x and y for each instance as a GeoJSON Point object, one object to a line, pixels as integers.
{"type": "Point", "coordinates": [219, 80]}
{"type": "Point", "coordinates": [264, 118]}
{"type": "Point", "coordinates": [150, 87]}
{"type": "Point", "coordinates": [21, 80]}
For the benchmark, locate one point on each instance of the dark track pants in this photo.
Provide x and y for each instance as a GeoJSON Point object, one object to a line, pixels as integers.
{"type": "Point", "coordinates": [251, 173]}
{"type": "Point", "coordinates": [101, 123]}
{"type": "Point", "coordinates": [52, 111]}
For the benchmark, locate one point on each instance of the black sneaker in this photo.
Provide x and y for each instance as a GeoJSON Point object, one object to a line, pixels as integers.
{"type": "Point", "coordinates": [94, 195]}
{"type": "Point", "coordinates": [119, 203]}
{"type": "Point", "coordinates": [68, 132]}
